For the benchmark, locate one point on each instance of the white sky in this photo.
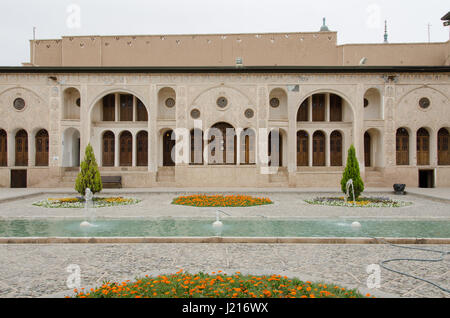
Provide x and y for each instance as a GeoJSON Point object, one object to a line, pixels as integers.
{"type": "Point", "coordinates": [357, 21]}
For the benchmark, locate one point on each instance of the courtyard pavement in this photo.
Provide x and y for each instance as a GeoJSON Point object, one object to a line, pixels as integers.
{"type": "Point", "coordinates": [29, 270]}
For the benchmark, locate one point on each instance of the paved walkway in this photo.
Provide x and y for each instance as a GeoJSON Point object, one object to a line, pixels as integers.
{"type": "Point", "coordinates": [286, 205]}
{"type": "Point", "coordinates": [40, 270]}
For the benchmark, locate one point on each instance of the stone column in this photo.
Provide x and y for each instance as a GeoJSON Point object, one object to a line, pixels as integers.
{"type": "Point", "coordinates": [86, 123]}
{"type": "Point", "coordinates": [327, 107]}
{"type": "Point", "coordinates": [153, 133]}
{"type": "Point", "coordinates": [134, 108]}
{"type": "Point", "coordinates": [31, 149]}
{"type": "Point", "coordinates": [11, 147]}
{"type": "Point", "coordinates": [291, 133]}
{"type": "Point", "coordinates": [116, 150]}
{"type": "Point", "coordinates": [310, 116]}
{"type": "Point", "coordinates": [413, 148]}
{"type": "Point", "coordinates": [117, 107]}
{"type": "Point", "coordinates": [327, 150]}
{"type": "Point", "coordinates": [310, 149]}
{"type": "Point", "coordinates": [433, 148]}
{"type": "Point", "coordinates": [134, 151]}
{"type": "Point", "coordinates": [238, 132]}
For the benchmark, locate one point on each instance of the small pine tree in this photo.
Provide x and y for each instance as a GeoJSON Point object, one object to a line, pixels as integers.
{"type": "Point", "coordinates": [352, 172]}
{"type": "Point", "coordinates": [89, 176]}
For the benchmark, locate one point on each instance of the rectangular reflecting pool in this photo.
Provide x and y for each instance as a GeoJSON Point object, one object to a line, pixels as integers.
{"type": "Point", "coordinates": [231, 228]}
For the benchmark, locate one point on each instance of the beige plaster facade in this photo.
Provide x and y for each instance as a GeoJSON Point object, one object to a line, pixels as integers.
{"type": "Point", "coordinates": [375, 101]}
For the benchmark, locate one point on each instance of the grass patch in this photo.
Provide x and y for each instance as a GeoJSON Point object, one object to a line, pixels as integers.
{"type": "Point", "coordinates": [359, 203]}
{"type": "Point", "coordinates": [74, 203]}
{"type": "Point", "coordinates": [218, 285]}
{"type": "Point", "coordinates": [220, 201]}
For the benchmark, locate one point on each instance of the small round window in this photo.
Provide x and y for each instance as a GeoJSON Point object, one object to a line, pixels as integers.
{"type": "Point", "coordinates": [274, 102]}
{"type": "Point", "coordinates": [249, 113]}
{"type": "Point", "coordinates": [195, 113]}
{"type": "Point", "coordinates": [170, 102]}
{"type": "Point", "coordinates": [424, 103]}
{"type": "Point", "coordinates": [19, 103]}
{"type": "Point", "coordinates": [366, 102]}
{"type": "Point", "coordinates": [222, 102]}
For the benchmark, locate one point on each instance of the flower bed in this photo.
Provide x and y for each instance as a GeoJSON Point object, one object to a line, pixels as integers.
{"type": "Point", "coordinates": [360, 203]}
{"type": "Point", "coordinates": [218, 285]}
{"type": "Point", "coordinates": [220, 201]}
{"type": "Point", "coordinates": [79, 202]}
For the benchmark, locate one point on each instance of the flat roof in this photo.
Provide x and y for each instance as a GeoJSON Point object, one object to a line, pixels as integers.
{"type": "Point", "coordinates": [227, 69]}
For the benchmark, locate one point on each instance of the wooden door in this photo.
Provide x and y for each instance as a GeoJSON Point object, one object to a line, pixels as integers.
{"type": "Point", "coordinates": [302, 149]}
{"type": "Point", "coordinates": [108, 149]}
{"type": "Point", "coordinates": [22, 148]}
{"type": "Point", "coordinates": [142, 149]}
{"type": "Point", "coordinates": [367, 150]}
{"type": "Point", "coordinates": [336, 149]}
{"type": "Point", "coordinates": [126, 149]}
{"type": "Point", "coordinates": [443, 152]}
{"type": "Point", "coordinates": [3, 149]}
{"type": "Point", "coordinates": [109, 107]}
{"type": "Point", "coordinates": [168, 145]}
{"type": "Point", "coordinates": [318, 107]}
{"type": "Point", "coordinates": [423, 147]}
{"type": "Point", "coordinates": [319, 149]}
{"type": "Point", "coordinates": [402, 147]}
{"type": "Point", "coordinates": [275, 149]}
{"type": "Point", "coordinates": [42, 145]}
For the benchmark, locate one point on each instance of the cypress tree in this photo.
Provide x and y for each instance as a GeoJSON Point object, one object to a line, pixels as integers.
{"type": "Point", "coordinates": [89, 176]}
{"type": "Point", "coordinates": [352, 172]}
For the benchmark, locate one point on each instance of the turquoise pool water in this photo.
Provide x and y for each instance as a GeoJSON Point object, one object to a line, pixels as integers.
{"type": "Point", "coordinates": [231, 228]}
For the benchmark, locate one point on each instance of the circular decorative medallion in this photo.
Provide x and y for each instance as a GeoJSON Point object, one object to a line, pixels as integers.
{"type": "Point", "coordinates": [274, 102]}
{"type": "Point", "coordinates": [195, 113]}
{"type": "Point", "coordinates": [249, 113]}
{"type": "Point", "coordinates": [19, 103]}
{"type": "Point", "coordinates": [424, 103]}
{"type": "Point", "coordinates": [170, 102]}
{"type": "Point", "coordinates": [222, 102]}
{"type": "Point", "coordinates": [78, 102]}
{"type": "Point", "coordinates": [366, 102]}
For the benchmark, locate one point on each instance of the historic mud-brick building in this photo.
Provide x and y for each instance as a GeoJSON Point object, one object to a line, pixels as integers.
{"type": "Point", "coordinates": [126, 95]}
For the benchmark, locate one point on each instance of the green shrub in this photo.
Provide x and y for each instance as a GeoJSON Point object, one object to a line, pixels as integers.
{"type": "Point", "coordinates": [352, 172]}
{"type": "Point", "coordinates": [89, 176]}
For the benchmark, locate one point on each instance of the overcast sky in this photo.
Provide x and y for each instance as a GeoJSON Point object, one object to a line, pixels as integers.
{"type": "Point", "coordinates": [357, 21]}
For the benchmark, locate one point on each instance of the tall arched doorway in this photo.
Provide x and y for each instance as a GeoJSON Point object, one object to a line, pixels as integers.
{"type": "Point", "coordinates": [42, 145]}
{"type": "Point", "coordinates": [443, 151]}
{"type": "Point", "coordinates": [3, 148]}
{"type": "Point", "coordinates": [336, 149]}
{"type": "Point", "coordinates": [142, 149]}
{"type": "Point", "coordinates": [248, 145]}
{"type": "Point", "coordinates": [402, 147]}
{"type": "Point", "coordinates": [423, 147]}
{"type": "Point", "coordinates": [21, 148]}
{"type": "Point", "coordinates": [168, 144]}
{"type": "Point", "coordinates": [108, 152]}
{"type": "Point", "coordinates": [302, 149]}
{"type": "Point", "coordinates": [222, 144]}
{"type": "Point", "coordinates": [126, 149]}
{"type": "Point", "coordinates": [367, 150]}
{"type": "Point", "coordinates": [275, 148]}
{"type": "Point", "coordinates": [319, 149]}
{"type": "Point", "coordinates": [71, 150]}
